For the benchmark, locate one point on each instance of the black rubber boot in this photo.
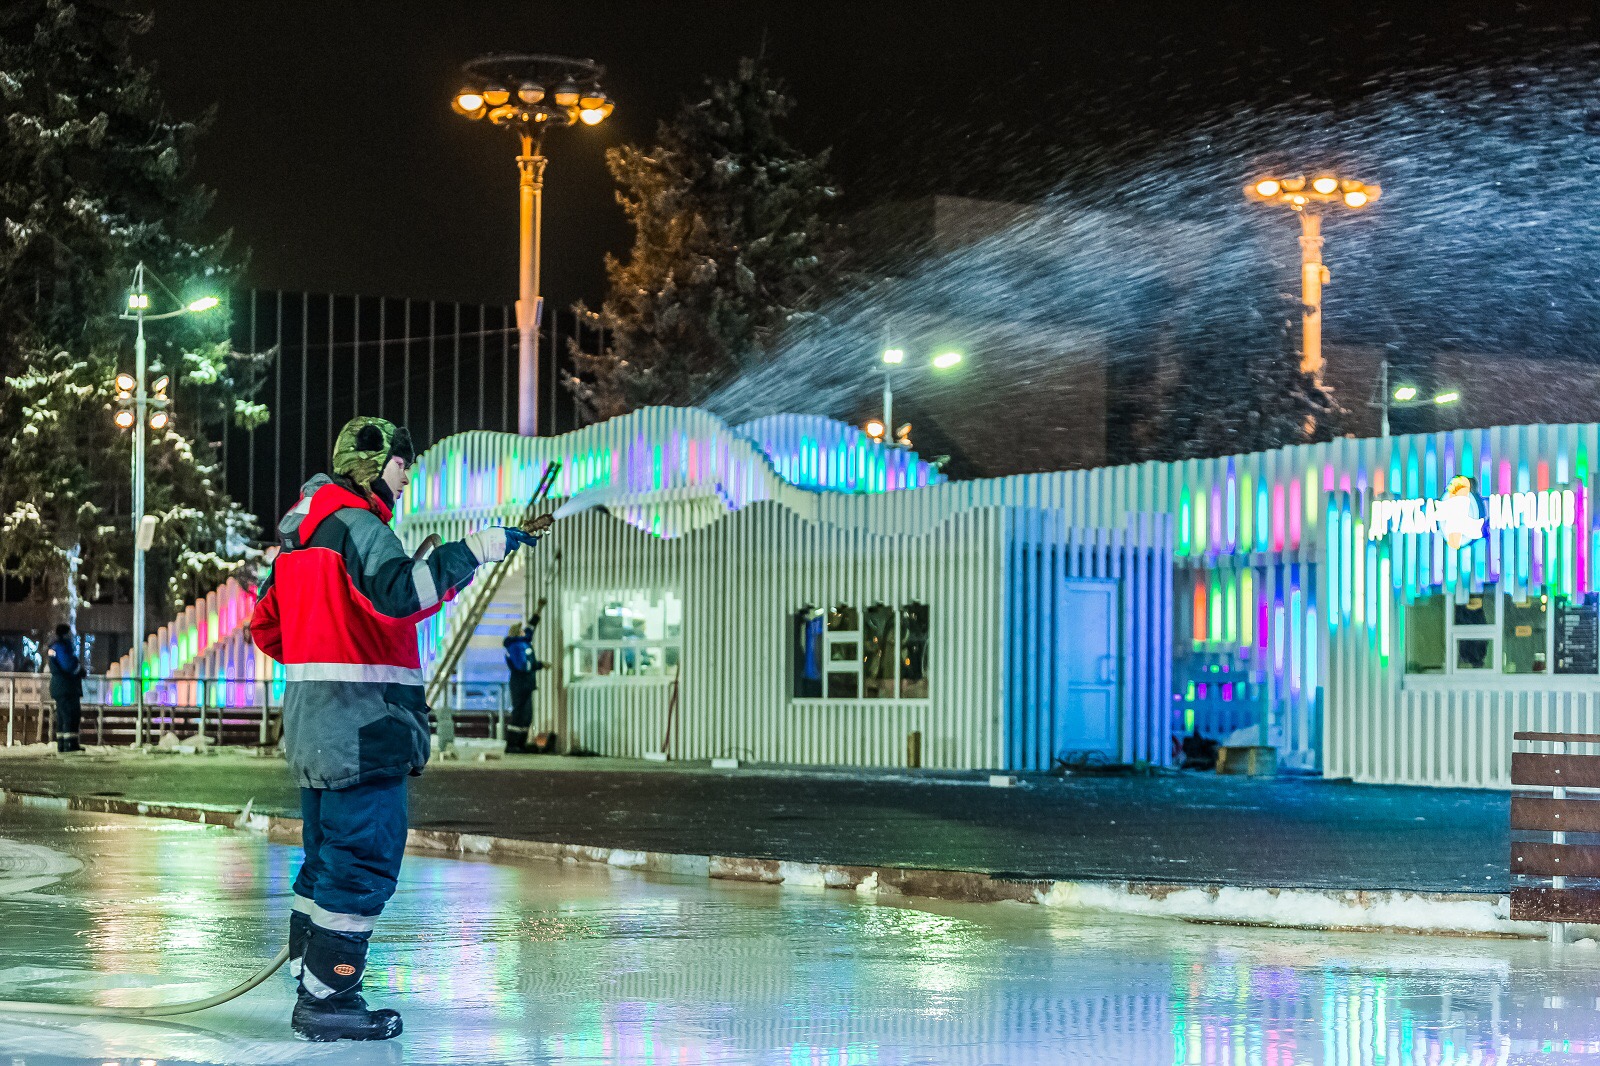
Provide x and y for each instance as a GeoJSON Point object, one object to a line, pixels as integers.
{"type": "Point", "coordinates": [299, 935]}
{"type": "Point", "coordinates": [342, 1017]}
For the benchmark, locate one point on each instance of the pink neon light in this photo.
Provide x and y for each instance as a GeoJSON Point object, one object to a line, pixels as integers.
{"type": "Point", "coordinates": [1544, 475]}
{"type": "Point", "coordinates": [1277, 517]}
{"type": "Point", "coordinates": [1580, 541]}
{"type": "Point", "coordinates": [1505, 475]}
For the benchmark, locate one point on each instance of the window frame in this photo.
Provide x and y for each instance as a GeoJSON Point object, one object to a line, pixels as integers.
{"type": "Point", "coordinates": [572, 649]}
{"type": "Point", "coordinates": [857, 637]}
{"type": "Point", "coordinates": [1454, 677]}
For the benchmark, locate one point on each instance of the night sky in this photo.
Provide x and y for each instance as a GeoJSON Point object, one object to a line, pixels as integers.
{"type": "Point", "coordinates": [338, 163]}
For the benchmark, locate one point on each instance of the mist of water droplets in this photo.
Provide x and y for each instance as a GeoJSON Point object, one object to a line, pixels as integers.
{"type": "Point", "coordinates": [1486, 240]}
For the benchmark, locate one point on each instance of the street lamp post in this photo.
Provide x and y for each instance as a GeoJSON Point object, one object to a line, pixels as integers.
{"type": "Point", "coordinates": [529, 94]}
{"type": "Point", "coordinates": [136, 407]}
{"type": "Point", "coordinates": [1406, 395]}
{"type": "Point", "coordinates": [1302, 197]}
{"type": "Point", "coordinates": [892, 358]}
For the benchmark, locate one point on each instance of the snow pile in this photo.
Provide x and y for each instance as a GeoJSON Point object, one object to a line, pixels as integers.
{"type": "Point", "coordinates": [1294, 908]}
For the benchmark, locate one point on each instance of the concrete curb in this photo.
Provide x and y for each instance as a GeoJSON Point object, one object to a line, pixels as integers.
{"type": "Point", "coordinates": [1329, 910]}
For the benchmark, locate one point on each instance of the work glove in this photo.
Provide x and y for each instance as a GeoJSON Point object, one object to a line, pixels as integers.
{"type": "Point", "coordinates": [495, 543]}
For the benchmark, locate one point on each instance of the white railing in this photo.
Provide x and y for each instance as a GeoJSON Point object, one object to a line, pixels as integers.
{"type": "Point", "coordinates": [223, 711]}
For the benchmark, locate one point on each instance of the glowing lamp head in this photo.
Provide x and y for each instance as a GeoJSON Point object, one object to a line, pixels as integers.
{"type": "Point", "coordinates": [894, 356]}
{"type": "Point", "coordinates": [205, 303]}
{"type": "Point", "coordinates": [530, 92]}
{"type": "Point", "coordinates": [1298, 200]}
{"type": "Point", "coordinates": [1355, 198]}
{"type": "Point", "coordinates": [567, 94]}
{"type": "Point", "coordinates": [1268, 188]}
{"type": "Point", "coordinates": [138, 301]}
{"type": "Point", "coordinates": [946, 360]}
{"type": "Point", "coordinates": [160, 386]}
{"type": "Point", "coordinates": [495, 96]}
{"type": "Point", "coordinates": [1405, 392]}
{"type": "Point", "coordinates": [1447, 397]}
{"type": "Point", "coordinates": [125, 382]}
{"type": "Point", "coordinates": [591, 116]}
{"type": "Point", "coordinates": [124, 419]}
{"type": "Point", "coordinates": [158, 420]}
{"type": "Point", "coordinates": [591, 100]}
{"type": "Point", "coordinates": [874, 429]}
{"type": "Point", "coordinates": [1325, 185]}
{"type": "Point", "coordinates": [468, 102]}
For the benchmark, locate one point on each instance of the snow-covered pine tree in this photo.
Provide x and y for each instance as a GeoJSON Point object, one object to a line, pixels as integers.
{"type": "Point", "coordinates": [729, 247]}
{"type": "Point", "coordinates": [94, 178]}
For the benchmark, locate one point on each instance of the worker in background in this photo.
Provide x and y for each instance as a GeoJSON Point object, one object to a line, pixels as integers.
{"type": "Point", "coordinates": [66, 688]}
{"type": "Point", "coordinates": [524, 669]}
{"type": "Point", "coordinates": [339, 608]}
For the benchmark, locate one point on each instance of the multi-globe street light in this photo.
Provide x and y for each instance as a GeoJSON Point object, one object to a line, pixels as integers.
{"type": "Point", "coordinates": [529, 94]}
{"type": "Point", "coordinates": [1307, 197]}
{"type": "Point", "coordinates": [137, 408]}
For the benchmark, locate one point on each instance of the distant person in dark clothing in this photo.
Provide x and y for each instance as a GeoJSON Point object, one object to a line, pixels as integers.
{"type": "Point", "coordinates": [66, 688]}
{"type": "Point", "coordinates": [1199, 752]}
{"type": "Point", "coordinates": [524, 669]}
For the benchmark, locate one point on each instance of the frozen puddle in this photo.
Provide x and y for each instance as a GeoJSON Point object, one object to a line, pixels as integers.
{"type": "Point", "coordinates": [588, 964]}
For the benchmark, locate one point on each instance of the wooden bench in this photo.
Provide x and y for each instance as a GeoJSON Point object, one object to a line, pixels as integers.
{"type": "Point", "coordinates": [1545, 862]}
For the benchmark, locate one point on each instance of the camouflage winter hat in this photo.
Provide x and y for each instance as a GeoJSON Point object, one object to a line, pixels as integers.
{"type": "Point", "coordinates": [366, 444]}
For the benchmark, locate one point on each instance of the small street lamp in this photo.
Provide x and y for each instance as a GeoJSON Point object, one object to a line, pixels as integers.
{"type": "Point", "coordinates": [1406, 396]}
{"type": "Point", "coordinates": [892, 358]}
{"type": "Point", "coordinates": [136, 408]}
{"type": "Point", "coordinates": [1304, 197]}
{"type": "Point", "coordinates": [529, 94]}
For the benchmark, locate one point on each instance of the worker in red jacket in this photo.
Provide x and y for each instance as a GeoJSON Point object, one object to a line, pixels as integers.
{"type": "Point", "coordinates": [339, 609]}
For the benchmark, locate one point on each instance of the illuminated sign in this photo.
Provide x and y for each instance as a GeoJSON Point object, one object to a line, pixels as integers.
{"type": "Point", "coordinates": [1550, 509]}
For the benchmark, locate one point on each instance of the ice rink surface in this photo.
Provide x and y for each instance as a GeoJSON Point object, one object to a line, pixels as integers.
{"type": "Point", "coordinates": [543, 963]}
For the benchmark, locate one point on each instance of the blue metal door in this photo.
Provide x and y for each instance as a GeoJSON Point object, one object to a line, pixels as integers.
{"type": "Point", "coordinates": [1086, 714]}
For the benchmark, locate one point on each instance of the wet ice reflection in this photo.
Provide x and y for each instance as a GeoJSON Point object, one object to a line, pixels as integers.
{"type": "Point", "coordinates": [549, 964]}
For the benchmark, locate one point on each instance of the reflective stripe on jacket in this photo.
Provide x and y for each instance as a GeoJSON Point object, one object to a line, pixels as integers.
{"type": "Point", "coordinates": [339, 608]}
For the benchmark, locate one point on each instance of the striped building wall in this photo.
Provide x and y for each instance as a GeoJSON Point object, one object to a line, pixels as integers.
{"type": "Point", "coordinates": [1280, 621]}
{"type": "Point", "coordinates": [741, 581]}
{"type": "Point", "coordinates": [202, 657]}
{"type": "Point", "coordinates": [1385, 726]}
{"type": "Point", "coordinates": [1042, 554]}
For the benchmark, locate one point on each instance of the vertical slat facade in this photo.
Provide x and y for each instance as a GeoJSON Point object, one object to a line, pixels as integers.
{"type": "Point", "coordinates": [1277, 601]}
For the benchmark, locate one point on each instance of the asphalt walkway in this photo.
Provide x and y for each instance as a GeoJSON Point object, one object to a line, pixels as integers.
{"type": "Point", "coordinates": [1187, 827]}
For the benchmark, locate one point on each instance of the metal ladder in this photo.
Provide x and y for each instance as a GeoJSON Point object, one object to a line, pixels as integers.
{"type": "Point", "coordinates": [473, 612]}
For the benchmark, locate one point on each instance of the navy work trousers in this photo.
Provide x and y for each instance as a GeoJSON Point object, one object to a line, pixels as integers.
{"type": "Point", "coordinates": [354, 839]}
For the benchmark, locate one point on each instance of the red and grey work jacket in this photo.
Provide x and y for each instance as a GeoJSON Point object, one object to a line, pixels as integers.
{"type": "Point", "coordinates": [339, 608]}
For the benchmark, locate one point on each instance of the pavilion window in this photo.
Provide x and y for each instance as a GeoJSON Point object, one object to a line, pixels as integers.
{"type": "Point", "coordinates": [615, 635]}
{"type": "Point", "coordinates": [845, 652]}
{"type": "Point", "coordinates": [1488, 632]}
